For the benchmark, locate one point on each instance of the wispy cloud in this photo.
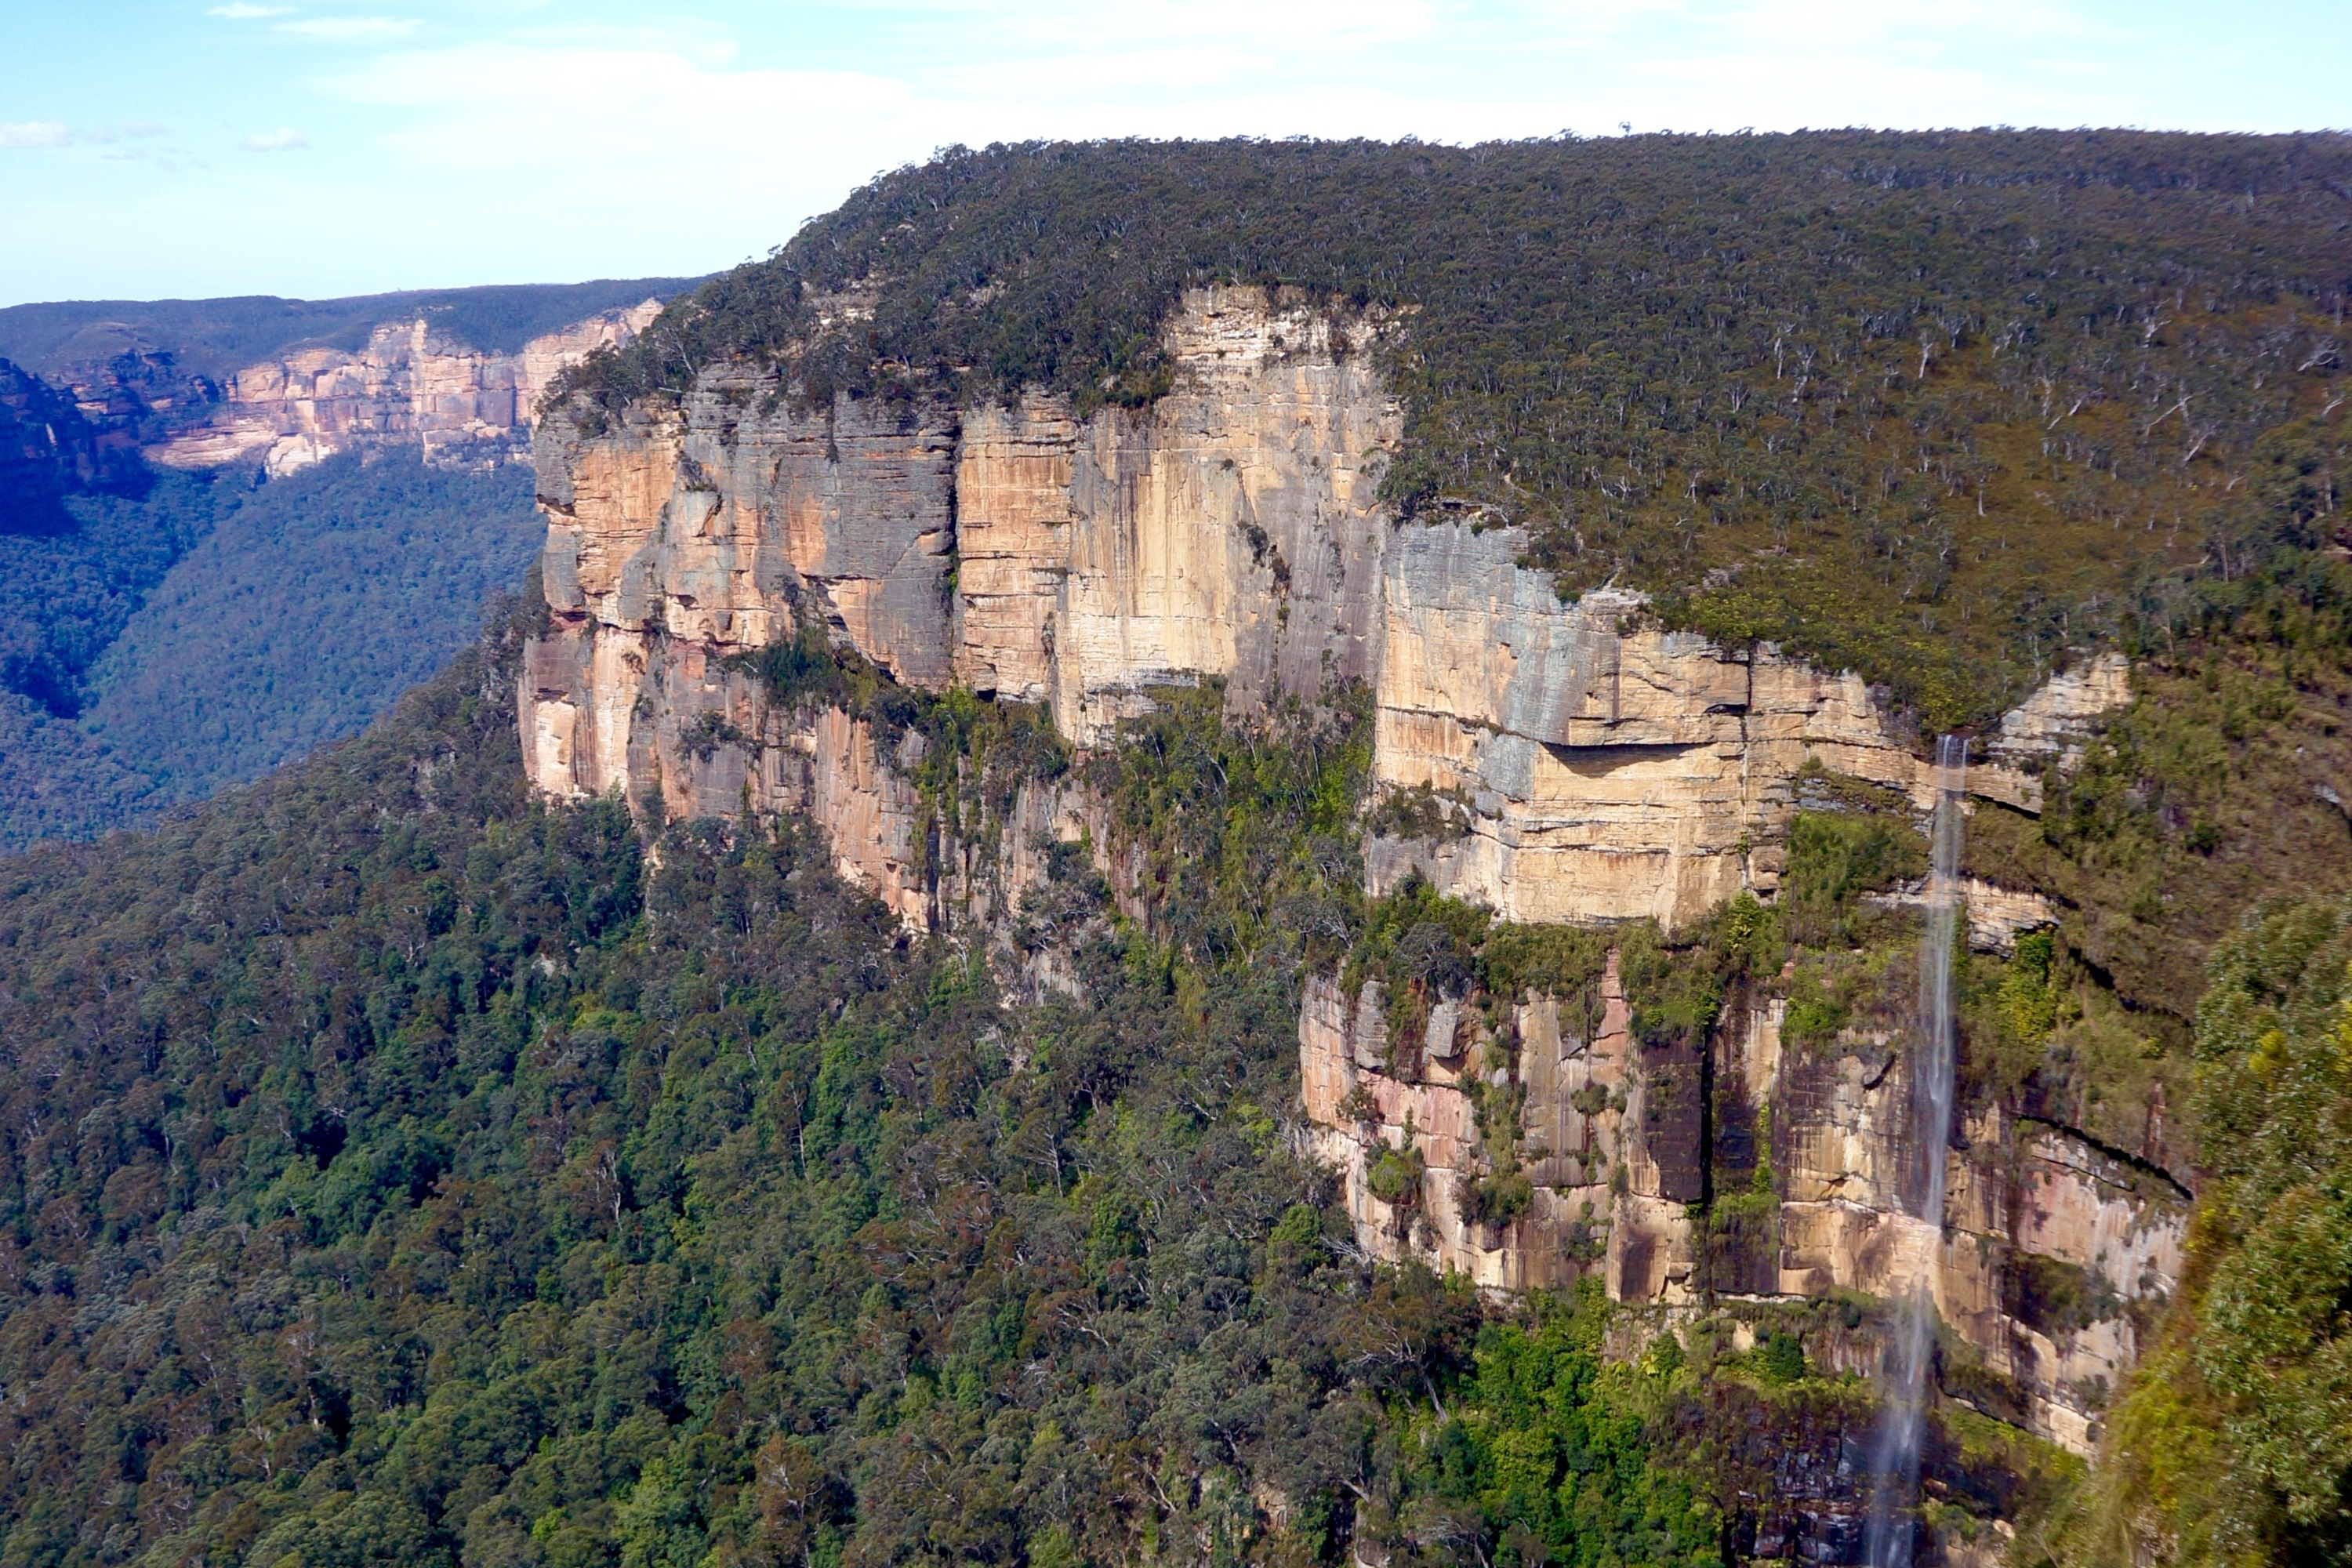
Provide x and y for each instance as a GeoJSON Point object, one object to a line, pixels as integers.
{"type": "Point", "coordinates": [122, 131]}
{"type": "Point", "coordinates": [241, 12]}
{"type": "Point", "coordinates": [36, 133]}
{"type": "Point", "coordinates": [278, 140]}
{"type": "Point", "coordinates": [352, 29]}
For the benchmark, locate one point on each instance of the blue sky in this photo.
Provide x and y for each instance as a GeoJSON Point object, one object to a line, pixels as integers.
{"type": "Point", "coordinates": [318, 147]}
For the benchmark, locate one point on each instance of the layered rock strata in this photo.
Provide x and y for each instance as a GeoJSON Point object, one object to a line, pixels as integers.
{"type": "Point", "coordinates": [1230, 533]}
{"type": "Point", "coordinates": [410, 385]}
{"type": "Point", "coordinates": [1556, 761]}
{"type": "Point", "coordinates": [1598, 767]}
{"type": "Point", "coordinates": [1588, 765]}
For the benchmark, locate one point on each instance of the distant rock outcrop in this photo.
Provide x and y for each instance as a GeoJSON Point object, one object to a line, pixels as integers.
{"type": "Point", "coordinates": [411, 385]}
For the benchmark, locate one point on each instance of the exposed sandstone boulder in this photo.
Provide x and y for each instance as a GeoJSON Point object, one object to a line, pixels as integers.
{"type": "Point", "coordinates": [1609, 769]}
{"type": "Point", "coordinates": [2052, 724]}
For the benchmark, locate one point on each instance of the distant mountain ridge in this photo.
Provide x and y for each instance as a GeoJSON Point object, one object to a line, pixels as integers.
{"type": "Point", "coordinates": [284, 384]}
{"type": "Point", "coordinates": [216, 338]}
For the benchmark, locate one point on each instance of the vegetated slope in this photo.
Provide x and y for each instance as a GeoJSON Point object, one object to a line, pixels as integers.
{"type": "Point", "coordinates": [396, 1170]}
{"type": "Point", "coordinates": [67, 588]}
{"type": "Point", "coordinates": [308, 611]}
{"type": "Point", "coordinates": [1934, 406]}
{"type": "Point", "coordinates": [392, 1169]}
{"type": "Point", "coordinates": [333, 596]}
{"type": "Point", "coordinates": [2232, 1444]}
{"type": "Point", "coordinates": [216, 338]}
{"type": "Point", "coordinates": [167, 643]}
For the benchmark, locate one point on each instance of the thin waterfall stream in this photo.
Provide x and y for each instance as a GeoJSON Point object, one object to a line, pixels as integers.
{"type": "Point", "coordinates": [1895, 1457]}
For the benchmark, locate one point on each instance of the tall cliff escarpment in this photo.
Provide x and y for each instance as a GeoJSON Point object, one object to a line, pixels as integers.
{"type": "Point", "coordinates": [410, 384]}
{"type": "Point", "coordinates": [1554, 762]}
{"type": "Point", "coordinates": [1229, 532]}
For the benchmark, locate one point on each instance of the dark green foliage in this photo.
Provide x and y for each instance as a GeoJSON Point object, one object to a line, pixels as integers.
{"type": "Point", "coordinates": [1932, 407]}
{"type": "Point", "coordinates": [1423, 949]}
{"type": "Point", "coordinates": [1834, 857]}
{"type": "Point", "coordinates": [1780, 1357]}
{"type": "Point", "coordinates": [398, 1170]}
{"type": "Point", "coordinates": [1246, 833]}
{"type": "Point", "coordinates": [67, 593]}
{"type": "Point", "coordinates": [202, 634]}
{"type": "Point", "coordinates": [2027, 1001]}
{"type": "Point", "coordinates": [1394, 1176]}
{"type": "Point", "coordinates": [2055, 1297]}
{"type": "Point", "coordinates": [1496, 1197]}
{"type": "Point", "coordinates": [2234, 1433]}
{"type": "Point", "coordinates": [975, 753]}
{"type": "Point", "coordinates": [307, 611]}
{"type": "Point", "coordinates": [1545, 1456]}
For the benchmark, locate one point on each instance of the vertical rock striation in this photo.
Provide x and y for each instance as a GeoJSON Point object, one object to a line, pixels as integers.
{"type": "Point", "coordinates": [1564, 762]}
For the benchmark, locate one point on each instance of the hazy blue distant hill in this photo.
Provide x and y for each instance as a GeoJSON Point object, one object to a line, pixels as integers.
{"type": "Point", "coordinates": [280, 615]}
{"type": "Point", "coordinates": [306, 613]}
{"type": "Point", "coordinates": [172, 645]}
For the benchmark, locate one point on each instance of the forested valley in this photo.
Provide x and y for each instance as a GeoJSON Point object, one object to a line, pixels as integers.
{"type": "Point", "coordinates": [168, 633]}
{"type": "Point", "coordinates": [398, 1167]}
{"type": "Point", "coordinates": [168, 629]}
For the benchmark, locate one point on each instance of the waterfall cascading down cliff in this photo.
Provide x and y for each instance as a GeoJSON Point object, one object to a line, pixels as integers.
{"type": "Point", "coordinates": [1894, 1460]}
{"type": "Point", "coordinates": [1594, 766]}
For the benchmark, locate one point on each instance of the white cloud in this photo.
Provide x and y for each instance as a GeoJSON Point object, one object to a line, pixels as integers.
{"type": "Point", "coordinates": [36, 133]}
{"type": "Point", "coordinates": [278, 140]}
{"type": "Point", "coordinates": [122, 131]}
{"type": "Point", "coordinates": [242, 12]}
{"type": "Point", "coordinates": [352, 29]}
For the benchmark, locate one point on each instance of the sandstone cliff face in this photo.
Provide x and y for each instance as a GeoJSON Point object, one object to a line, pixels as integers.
{"type": "Point", "coordinates": [1600, 768]}
{"type": "Point", "coordinates": [1583, 764]}
{"type": "Point", "coordinates": [1623, 1135]}
{"type": "Point", "coordinates": [1606, 769]}
{"type": "Point", "coordinates": [462, 407]}
{"type": "Point", "coordinates": [1229, 532]}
